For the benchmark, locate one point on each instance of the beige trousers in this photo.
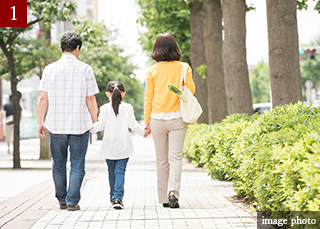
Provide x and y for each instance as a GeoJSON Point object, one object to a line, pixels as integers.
{"type": "Point", "coordinates": [168, 137]}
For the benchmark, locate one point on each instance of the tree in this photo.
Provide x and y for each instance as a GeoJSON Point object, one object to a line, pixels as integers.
{"type": "Point", "coordinates": [235, 57]}
{"type": "Point", "coordinates": [160, 16]}
{"type": "Point", "coordinates": [260, 83]}
{"type": "Point", "coordinates": [27, 52]}
{"type": "Point", "coordinates": [212, 32]}
{"type": "Point", "coordinates": [303, 4]}
{"type": "Point", "coordinates": [283, 52]}
{"type": "Point", "coordinates": [9, 39]}
{"type": "Point", "coordinates": [197, 50]}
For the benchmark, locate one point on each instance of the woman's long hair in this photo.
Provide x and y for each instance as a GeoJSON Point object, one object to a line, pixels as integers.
{"type": "Point", "coordinates": [116, 87]}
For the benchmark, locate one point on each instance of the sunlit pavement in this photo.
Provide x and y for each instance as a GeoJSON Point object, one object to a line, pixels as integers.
{"type": "Point", "coordinates": [27, 196]}
{"type": "Point", "coordinates": [25, 145]}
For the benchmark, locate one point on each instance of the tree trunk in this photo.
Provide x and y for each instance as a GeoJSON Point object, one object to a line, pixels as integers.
{"type": "Point", "coordinates": [45, 152]}
{"type": "Point", "coordinates": [238, 90]}
{"type": "Point", "coordinates": [198, 58]}
{"type": "Point", "coordinates": [16, 96]}
{"type": "Point", "coordinates": [212, 30]}
{"type": "Point", "coordinates": [284, 66]}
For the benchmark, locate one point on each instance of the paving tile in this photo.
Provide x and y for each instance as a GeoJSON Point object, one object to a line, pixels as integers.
{"type": "Point", "coordinates": [205, 202]}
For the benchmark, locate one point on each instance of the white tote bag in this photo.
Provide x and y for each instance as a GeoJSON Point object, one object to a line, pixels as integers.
{"type": "Point", "coordinates": [190, 108]}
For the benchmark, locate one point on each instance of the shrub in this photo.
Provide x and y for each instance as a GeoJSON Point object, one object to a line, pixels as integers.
{"type": "Point", "coordinates": [273, 158]}
{"type": "Point", "coordinates": [222, 164]}
{"type": "Point", "coordinates": [210, 145]}
{"type": "Point", "coordinates": [195, 135]}
{"type": "Point", "coordinates": [270, 159]}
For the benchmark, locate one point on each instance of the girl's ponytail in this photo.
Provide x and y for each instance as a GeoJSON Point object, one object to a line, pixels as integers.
{"type": "Point", "coordinates": [116, 100]}
{"type": "Point", "coordinates": [116, 87]}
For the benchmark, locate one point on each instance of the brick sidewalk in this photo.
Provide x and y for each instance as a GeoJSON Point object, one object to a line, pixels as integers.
{"type": "Point", "coordinates": [205, 202]}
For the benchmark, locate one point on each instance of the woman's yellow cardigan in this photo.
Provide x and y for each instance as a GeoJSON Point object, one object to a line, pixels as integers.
{"type": "Point", "coordinates": [158, 98]}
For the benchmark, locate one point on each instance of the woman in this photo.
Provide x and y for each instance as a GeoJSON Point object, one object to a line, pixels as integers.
{"type": "Point", "coordinates": [163, 108]}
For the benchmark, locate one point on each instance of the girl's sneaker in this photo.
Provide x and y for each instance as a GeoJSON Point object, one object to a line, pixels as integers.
{"type": "Point", "coordinates": [117, 204]}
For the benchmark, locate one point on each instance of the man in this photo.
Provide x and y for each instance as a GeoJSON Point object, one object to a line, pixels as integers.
{"type": "Point", "coordinates": [8, 108]}
{"type": "Point", "coordinates": [69, 86]}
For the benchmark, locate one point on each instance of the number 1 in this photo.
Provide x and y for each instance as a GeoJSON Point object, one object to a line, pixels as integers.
{"type": "Point", "coordinates": [14, 13]}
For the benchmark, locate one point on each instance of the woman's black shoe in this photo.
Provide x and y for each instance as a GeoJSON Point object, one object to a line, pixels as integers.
{"type": "Point", "coordinates": [165, 205]}
{"type": "Point", "coordinates": [173, 202]}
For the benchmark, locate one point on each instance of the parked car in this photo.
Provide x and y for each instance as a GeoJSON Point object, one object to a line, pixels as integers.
{"type": "Point", "coordinates": [261, 107]}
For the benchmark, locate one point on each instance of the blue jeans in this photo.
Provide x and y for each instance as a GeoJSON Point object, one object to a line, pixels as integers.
{"type": "Point", "coordinates": [59, 144]}
{"type": "Point", "coordinates": [117, 170]}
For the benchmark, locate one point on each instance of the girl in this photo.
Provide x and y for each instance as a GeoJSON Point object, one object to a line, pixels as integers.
{"type": "Point", "coordinates": [115, 118]}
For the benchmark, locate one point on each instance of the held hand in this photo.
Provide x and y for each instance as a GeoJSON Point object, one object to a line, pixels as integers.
{"type": "Point", "coordinates": [42, 131]}
{"type": "Point", "coordinates": [147, 127]}
{"type": "Point", "coordinates": [148, 130]}
{"type": "Point", "coordinates": [147, 133]}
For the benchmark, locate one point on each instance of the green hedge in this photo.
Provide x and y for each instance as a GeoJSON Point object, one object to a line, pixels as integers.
{"type": "Point", "coordinates": [273, 158]}
{"type": "Point", "coordinates": [195, 135]}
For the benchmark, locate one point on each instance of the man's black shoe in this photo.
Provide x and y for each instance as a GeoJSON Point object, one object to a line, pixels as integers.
{"type": "Point", "coordinates": [173, 202]}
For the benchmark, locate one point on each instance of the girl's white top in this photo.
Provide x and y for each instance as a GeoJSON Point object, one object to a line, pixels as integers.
{"type": "Point", "coordinates": [117, 143]}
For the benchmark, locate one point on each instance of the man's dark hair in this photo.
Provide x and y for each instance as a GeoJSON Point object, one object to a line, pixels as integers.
{"type": "Point", "coordinates": [70, 41]}
{"type": "Point", "coordinates": [165, 48]}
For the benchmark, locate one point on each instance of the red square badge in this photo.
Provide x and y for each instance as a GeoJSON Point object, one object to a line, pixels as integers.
{"type": "Point", "coordinates": [13, 13]}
